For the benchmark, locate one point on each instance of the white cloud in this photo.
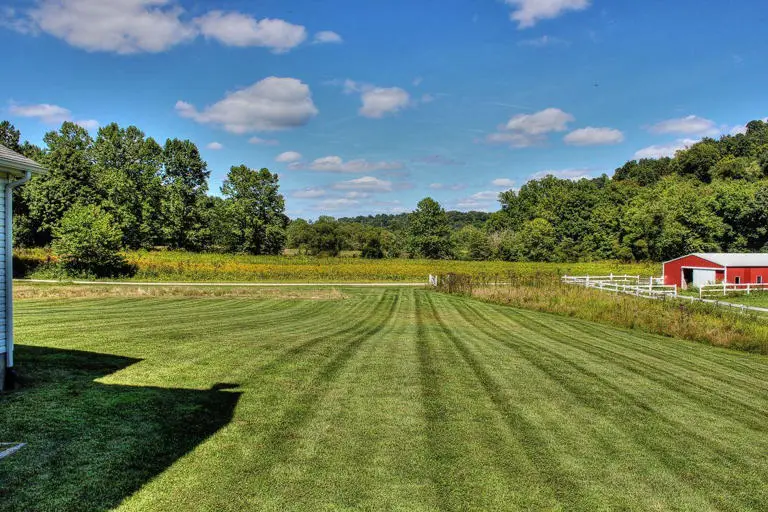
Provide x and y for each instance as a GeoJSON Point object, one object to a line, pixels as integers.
{"type": "Point", "coordinates": [544, 121]}
{"type": "Point", "coordinates": [541, 42]}
{"type": "Point", "coordinates": [503, 183]}
{"type": "Point", "coordinates": [566, 174]}
{"type": "Point", "coordinates": [237, 29]}
{"type": "Point", "coordinates": [45, 112]}
{"type": "Point", "coordinates": [337, 204]}
{"type": "Point", "coordinates": [526, 130]}
{"type": "Point", "coordinates": [119, 26]}
{"type": "Point", "coordinates": [479, 201]}
{"type": "Point", "coordinates": [528, 12]}
{"type": "Point", "coordinates": [357, 195]}
{"type": "Point", "coordinates": [288, 156]}
{"type": "Point", "coordinates": [379, 101]}
{"type": "Point", "coordinates": [337, 164]}
{"type": "Point", "coordinates": [443, 186]}
{"type": "Point", "coordinates": [417, 81]}
{"type": "Point", "coordinates": [271, 104]}
{"type": "Point", "coordinates": [664, 150]}
{"type": "Point", "coordinates": [738, 129]}
{"type": "Point", "coordinates": [594, 137]}
{"type": "Point", "coordinates": [326, 36]}
{"type": "Point", "coordinates": [437, 160]}
{"type": "Point", "coordinates": [365, 184]}
{"type": "Point", "coordinates": [263, 142]}
{"type": "Point", "coordinates": [309, 193]}
{"type": "Point", "coordinates": [215, 146]}
{"type": "Point", "coordinates": [689, 125]}
{"type": "Point", "coordinates": [515, 140]}
{"type": "Point", "coordinates": [51, 114]}
{"type": "Point", "coordinates": [88, 124]}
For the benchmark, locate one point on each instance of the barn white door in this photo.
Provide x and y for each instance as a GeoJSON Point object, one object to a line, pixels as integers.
{"type": "Point", "coordinates": [702, 277]}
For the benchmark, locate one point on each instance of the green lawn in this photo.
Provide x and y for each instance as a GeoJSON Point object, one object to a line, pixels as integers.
{"type": "Point", "coordinates": [377, 399]}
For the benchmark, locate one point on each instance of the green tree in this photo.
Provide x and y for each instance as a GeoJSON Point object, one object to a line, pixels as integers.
{"type": "Point", "coordinates": [69, 180]}
{"type": "Point", "coordinates": [699, 159]}
{"type": "Point", "coordinates": [326, 237]}
{"type": "Point", "coordinates": [256, 211]}
{"type": "Point", "coordinates": [299, 235]}
{"type": "Point", "coordinates": [471, 243]}
{"type": "Point", "coordinates": [737, 168]}
{"type": "Point", "coordinates": [127, 177]}
{"type": "Point", "coordinates": [9, 136]}
{"type": "Point", "coordinates": [535, 241]}
{"type": "Point", "coordinates": [185, 180]}
{"type": "Point", "coordinates": [87, 241]}
{"type": "Point", "coordinates": [429, 230]}
{"type": "Point", "coordinates": [673, 218]}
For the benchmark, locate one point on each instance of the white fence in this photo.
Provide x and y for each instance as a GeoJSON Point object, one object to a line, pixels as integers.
{"type": "Point", "coordinates": [710, 290]}
{"type": "Point", "coordinates": [652, 288]}
{"type": "Point", "coordinates": [649, 287]}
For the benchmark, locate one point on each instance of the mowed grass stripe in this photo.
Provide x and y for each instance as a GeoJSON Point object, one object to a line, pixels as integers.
{"type": "Point", "coordinates": [290, 398]}
{"type": "Point", "coordinates": [395, 399]}
{"type": "Point", "coordinates": [199, 362]}
{"type": "Point", "coordinates": [672, 429]}
{"type": "Point", "coordinates": [477, 460]}
{"type": "Point", "coordinates": [737, 366]}
{"type": "Point", "coordinates": [345, 456]}
{"type": "Point", "coordinates": [613, 471]}
{"type": "Point", "coordinates": [734, 399]}
{"type": "Point", "coordinates": [561, 484]}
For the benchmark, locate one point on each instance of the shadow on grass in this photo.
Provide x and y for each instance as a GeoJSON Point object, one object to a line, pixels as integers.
{"type": "Point", "coordinates": [91, 445]}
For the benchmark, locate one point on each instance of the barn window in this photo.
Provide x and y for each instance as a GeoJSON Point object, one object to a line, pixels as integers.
{"type": "Point", "coordinates": [738, 280]}
{"type": "Point", "coordinates": [759, 279]}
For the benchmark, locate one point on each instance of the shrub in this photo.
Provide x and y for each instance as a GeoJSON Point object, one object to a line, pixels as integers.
{"type": "Point", "coordinates": [87, 242]}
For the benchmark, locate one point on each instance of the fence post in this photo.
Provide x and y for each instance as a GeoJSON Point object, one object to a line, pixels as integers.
{"type": "Point", "coordinates": [675, 290]}
{"type": "Point", "coordinates": [747, 288]}
{"type": "Point", "coordinates": [724, 285]}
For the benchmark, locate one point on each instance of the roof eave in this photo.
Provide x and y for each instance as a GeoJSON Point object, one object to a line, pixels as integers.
{"type": "Point", "coordinates": [20, 168]}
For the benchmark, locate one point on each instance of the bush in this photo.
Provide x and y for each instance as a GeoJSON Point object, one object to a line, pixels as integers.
{"type": "Point", "coordinates": [87, 242]}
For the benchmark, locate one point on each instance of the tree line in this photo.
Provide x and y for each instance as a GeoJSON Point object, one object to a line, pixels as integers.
{"type": "Point", "coordinates": [127, 191]}
{"type": "Point", "coordinates": [712, 196]}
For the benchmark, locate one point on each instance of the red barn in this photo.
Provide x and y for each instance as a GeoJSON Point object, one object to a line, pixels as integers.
{"type": "Point", "coordinates": [710, 267]}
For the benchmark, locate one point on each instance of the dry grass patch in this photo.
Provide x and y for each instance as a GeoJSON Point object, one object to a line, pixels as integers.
{"type": "Point", "coordinates": [46, 291]}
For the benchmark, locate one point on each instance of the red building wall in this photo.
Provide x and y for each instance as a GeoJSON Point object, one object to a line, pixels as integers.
{"type": "Point", "coordinates": [673, 270]}
{"type": "Point", "coordinates": [747, 274]}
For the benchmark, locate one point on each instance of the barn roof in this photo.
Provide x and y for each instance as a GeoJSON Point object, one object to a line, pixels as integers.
{"type": "Point", "coordinates": [11, 161]}
{"type": "Point", "coordinates": [743, 259]}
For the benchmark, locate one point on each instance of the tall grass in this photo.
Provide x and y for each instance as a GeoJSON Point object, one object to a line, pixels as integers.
{"type": "Point", "coordinates": [699, 322]}
{"type": "Point", "coordinates": [189, 266]}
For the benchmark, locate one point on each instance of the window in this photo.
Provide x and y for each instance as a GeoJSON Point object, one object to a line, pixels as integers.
{"type": "Point", "coordinates": [738, 280]}
{"type": "Point", "coordinates": [759, 279]}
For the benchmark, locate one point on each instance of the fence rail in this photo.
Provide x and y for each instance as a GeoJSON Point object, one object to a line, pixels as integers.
{"type": "Point", "coordinates": [725, 288]}
{"type": "Point", "coordinates": [650, 288]}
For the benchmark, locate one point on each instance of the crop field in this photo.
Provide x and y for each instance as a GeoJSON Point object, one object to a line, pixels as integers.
{"type": "Point", "coordinates": [188, 266]}
{"type": "Point", "coordinates": [369, 399]}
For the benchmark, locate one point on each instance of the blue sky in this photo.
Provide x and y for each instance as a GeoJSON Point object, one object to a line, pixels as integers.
{"type": "Point", "coordinates": [366, 107]}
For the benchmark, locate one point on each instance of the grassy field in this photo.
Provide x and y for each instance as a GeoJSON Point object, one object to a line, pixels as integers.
{"type": "Point", "coordinates": [370, 399]}
{"type": "Point", "coordinates": [187, 266]}
{"type": "Point", "coordinates": [706, 323]}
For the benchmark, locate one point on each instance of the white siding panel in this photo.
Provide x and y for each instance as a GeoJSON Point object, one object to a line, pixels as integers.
{"type": "Point", "coordinates": [2, 266]}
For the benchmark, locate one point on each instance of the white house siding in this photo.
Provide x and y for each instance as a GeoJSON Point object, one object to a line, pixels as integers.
{"type": "Point", "coordinates": [3, 181]}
